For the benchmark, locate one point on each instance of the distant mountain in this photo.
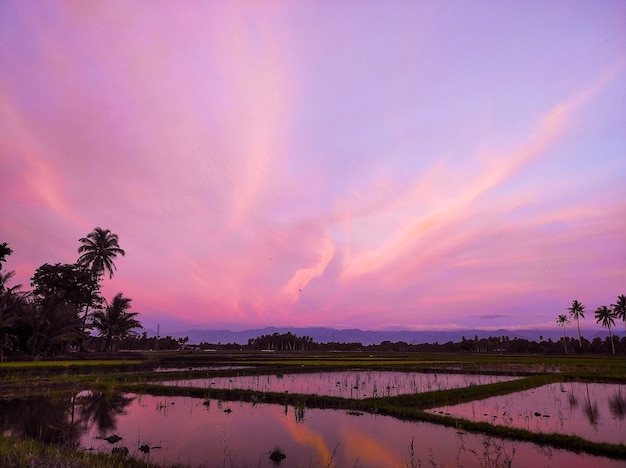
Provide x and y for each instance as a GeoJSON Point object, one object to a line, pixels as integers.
{"type": "Point", "coordinates": [325, 335]}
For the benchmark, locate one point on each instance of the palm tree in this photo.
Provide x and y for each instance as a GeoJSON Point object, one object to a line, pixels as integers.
{"type": "Point", "coordinates": [607, 317]}
{"type": "Point", "coordinates": [98, 250]}
{"type": "Point", "coordinates": [4, 281]}
{"type": "Point", "coordinates": [114, 322]}
{"type": "Point", "coordinates": [562, 320]}
{"type": "Point", "coordinates": [619, 308]}
{"type": "Point", "coordinates": [576, 311]}
{"type": "Point", "coordinates": [5, 251]}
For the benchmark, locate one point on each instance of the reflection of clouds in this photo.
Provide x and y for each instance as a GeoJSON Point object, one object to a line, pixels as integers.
{"type": "Point", "coordinates": [304, 435]}
{"type": "Point", "coordinates": [364, 448]}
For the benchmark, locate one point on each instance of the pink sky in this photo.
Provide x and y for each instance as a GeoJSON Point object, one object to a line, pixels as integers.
{"type": "Point", "coordinates": [432, 164]}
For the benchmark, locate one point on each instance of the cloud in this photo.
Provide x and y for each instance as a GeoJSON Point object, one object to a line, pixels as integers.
{"type": "Point", "coordinates": [438, 208]}
{"type": "Point", "coordinates": [238, 169]}
{"type": "Point", "coordinates": [491, 316]}
{"type": "Point", "coordinates": [298, 282]}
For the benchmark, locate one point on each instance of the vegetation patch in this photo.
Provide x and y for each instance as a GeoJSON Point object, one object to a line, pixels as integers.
{"type": "Point", "coordinates": [20, 453]}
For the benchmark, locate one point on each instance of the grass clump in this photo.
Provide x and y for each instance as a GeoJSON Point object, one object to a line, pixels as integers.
{"type": "Point", "coordinates": [28, 453]}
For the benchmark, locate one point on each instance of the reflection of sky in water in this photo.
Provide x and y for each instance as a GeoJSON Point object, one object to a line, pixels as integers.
{"type": "Point", "coordinates": [593, 411]}
{"type": "Point", "coordinates": [346, 384]}
{"type": "Point", "coordinates": [193, 434]}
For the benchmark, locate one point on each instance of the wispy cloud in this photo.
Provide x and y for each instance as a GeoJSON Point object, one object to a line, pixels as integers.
{"type": "Point", "coordinates": [260, 169]}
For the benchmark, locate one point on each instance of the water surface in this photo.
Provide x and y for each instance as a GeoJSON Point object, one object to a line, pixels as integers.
{"type": "Point", "coordinates": [594, 411]}
{"type": "Point", "coordinates": [345, 384]}
{"type": "Point", "coordinates": [208, 433]}
{"type": "Point", "coordinates": [214, 433]}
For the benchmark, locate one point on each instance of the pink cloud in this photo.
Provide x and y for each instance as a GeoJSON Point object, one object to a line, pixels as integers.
{"type": "Point", "coordinates": [242, 155]}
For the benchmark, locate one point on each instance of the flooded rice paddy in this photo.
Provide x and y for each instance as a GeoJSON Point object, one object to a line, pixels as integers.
{"type": "Point", "coordinates": [206, 433]}
{"type": "Point", "coordinates": [593, 411]}
{"type": "Point", "coordinates": [345, 384]}
{"type": "Point", "coordinates": [201, 368]}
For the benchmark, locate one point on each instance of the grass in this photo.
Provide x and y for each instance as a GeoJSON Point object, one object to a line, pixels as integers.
{"type": "Point", "coordinates": [138, 375]}
{"type": "Point", "coordinates": [19, 453]}
{"type": "Point", "coordinates": [26, 365]}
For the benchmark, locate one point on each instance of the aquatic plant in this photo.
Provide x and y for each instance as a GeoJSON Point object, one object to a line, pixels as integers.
{"type": "Point", "coordinates": [493, 453]}
{"type": "Point", "coordinates": [123, 451]}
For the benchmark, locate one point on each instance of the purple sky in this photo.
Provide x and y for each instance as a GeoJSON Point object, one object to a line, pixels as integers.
{"type": "Point", "coordinates": [431, 164]}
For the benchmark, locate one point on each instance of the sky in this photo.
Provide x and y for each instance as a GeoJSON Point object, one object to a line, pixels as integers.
{"type": "Point", "coordinates": [355, 164]}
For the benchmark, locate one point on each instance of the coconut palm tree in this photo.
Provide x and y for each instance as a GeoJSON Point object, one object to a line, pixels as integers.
{"type": "Point", "coordinates": [5, 251]}
{"type": "Point", "coordinates": [98, 250]}
{"type": "Point", "coordinates": [576, 311]}
{"type": "Point", "coordinates": [619, 308]}
{"type": "Point", "coordinates": [562, 320]}
{"type": "Point", "coordinates": [606, 316]}
{"type": "Point", "coordinates": [114, 322]}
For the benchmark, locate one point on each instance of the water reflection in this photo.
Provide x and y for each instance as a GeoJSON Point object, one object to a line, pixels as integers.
{"type": "Point", "coordinates": [345, 384]}
{"type": "Point", "coordinates": [100, 410]}
{"type": "Point", "coordinates": [197, 433]}
{"type": "Point", "coordinates": [593, 411]}
{"type": "Point", "coordinates": [617, 403]}
{"type": "Point", "coordinates": [38, 418]}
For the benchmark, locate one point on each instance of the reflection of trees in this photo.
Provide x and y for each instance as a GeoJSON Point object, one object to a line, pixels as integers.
{"type": "Point", "coordinates": [299, 413]}
{"type": "Point", "coordinates": [591, 410]}
{"type": "Point", "coordinates": [102, 409]}
{"type": "Point", "coordinates": [39, 418]}
{"type": "Point", "coordinates": [617, 403]}
{"type": "Point", "coordinates": [61, 421]}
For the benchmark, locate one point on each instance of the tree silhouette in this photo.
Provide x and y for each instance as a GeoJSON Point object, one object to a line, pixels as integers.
{"type": "Point", "coordinates": [98, 250]}
{"type": "Point", "coordinates": [619, 308]}
{"type": "Point", "coordinates": [75, 284]}
{"type": "Point", "coordinates": [12, 306]}
{"type": "Point", "coordinates": [115, 322]}
{"type": "Point", "coordinates": [606, 317]}
{"type": "Point", "coordinates": [54, 324]}
{"type": "Point", "coordinates": [5, 251]}
{"type": "Point", "coordinates": [562, 320]}
{"type": "Point", "coordinates": [576, 311]}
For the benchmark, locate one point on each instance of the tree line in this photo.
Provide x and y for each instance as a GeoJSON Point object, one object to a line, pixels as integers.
{"type": "Point", "coordinates": [289, 342]}
{"type": "Point", "coordinates": [604, 315]}
{"type": "Point", "coordinates": [65, 305]}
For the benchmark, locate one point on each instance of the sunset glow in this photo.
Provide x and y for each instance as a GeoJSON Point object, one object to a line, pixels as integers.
{"type": "Point", "coordinates": [373, 165]}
